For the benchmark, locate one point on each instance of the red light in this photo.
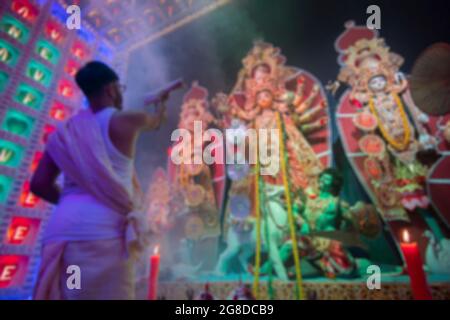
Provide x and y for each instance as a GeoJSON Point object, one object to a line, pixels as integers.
{"type": "Point", "coordinates": [25, 10]}
{"type": "Point", "coordinates": [65, 88]}
{"type": "Point", "coordinates": [27, 198]}
{"type": "Point", "coordinates": [18, 230]}
{"type": "Point", "coordinates": [79, 50]}
{"type": "Point", "coordinates": [58, 111]}
{"type": "Point", "coordinates": [36, 159]}
{"type": "Point", "coordinates": [12, 270]}
{"type": "Point", "coordinates": [54, 32]}
{"type": "Point", "coordinates": [71, 68]}
{"type": "Point", "coordinates": [7, 273]}
{"type": "Point", "coordinates": [48, 129]}
{"type": "Point", "coordinates": [22, 230]}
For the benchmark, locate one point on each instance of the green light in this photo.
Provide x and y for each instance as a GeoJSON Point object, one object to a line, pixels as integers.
{"type": "Point", "coordinates": [29, 96]}
{"type": "Point", "coordinates": [8, 53]}
{"type": "Point", "coordinates": [10, 154]}
{"type": "Point", "coordinates": [39, 73]}
{"type": "Point", "coordinates": [5, 187]}
{"type": "Point", "coordinates": [4, 77]}
{"type": "Point", "coordinates": [47, 51]}
{"type": "Point", "coordinates": [15, 29]}
{"type": "Point", "coordinates": [18, 123]}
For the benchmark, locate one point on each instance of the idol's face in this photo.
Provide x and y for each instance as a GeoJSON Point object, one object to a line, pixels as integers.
{"type": "Point", "coordinates": [370, 63]}
{"type": "Point", "coordinates": [325, 182]}
{"type": "Point", "coordinates": [377, 83]}
{"type": "Point", "coordinates": [264, 99]}
{"type": "Point", "coordinates": [189, 116]}
{"type": "Point", "coordinates": [261, 72]}
{"type": "Point", "coordinates": [193, 113]}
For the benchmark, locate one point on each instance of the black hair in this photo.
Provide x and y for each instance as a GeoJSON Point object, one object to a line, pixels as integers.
{"type": "Point", "coordinates": [92, 77]}
{"type": "Point", "coordinates": [337, 180]}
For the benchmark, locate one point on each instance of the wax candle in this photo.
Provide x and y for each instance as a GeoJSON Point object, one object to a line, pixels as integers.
{"type": "Point", "coordinates": [414, 265]}
{"type": "Point", "coordinates": [154, 273]}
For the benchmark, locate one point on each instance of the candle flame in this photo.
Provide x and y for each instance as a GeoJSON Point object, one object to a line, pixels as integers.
{"type": "Point", "coordinates": [156, 250]}
{"type": "Point", "coordinates": [406, 237]}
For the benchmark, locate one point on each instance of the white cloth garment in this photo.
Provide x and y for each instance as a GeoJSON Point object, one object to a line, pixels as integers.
{"type": "Point", "coordinates": [79, 215]}
{"type": "Point", "coordinates": [99, 224]}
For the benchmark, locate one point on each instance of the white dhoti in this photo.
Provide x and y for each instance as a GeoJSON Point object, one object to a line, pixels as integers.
{"type": "Point", "coordinates": [98, 229]}
{"type": "Point", "coordinates": [104, 272]}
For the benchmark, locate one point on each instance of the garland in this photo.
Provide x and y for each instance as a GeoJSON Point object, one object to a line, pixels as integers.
{"type": "Point", "coordinates": [258, 226]}
{"type": "Point", "coordinates": [298, 274]}
{"type": "Point", "coordinates": [397, 145]}
{"type": "Point", "coordinates": [266, 210]}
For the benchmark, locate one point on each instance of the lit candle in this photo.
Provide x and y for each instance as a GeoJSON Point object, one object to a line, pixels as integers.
{"type": "Point", "coordinates": [414, 265]}
{"type": "Point", "coordinates": [154, 272]}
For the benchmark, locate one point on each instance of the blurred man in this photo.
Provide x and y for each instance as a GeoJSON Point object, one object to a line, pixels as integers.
{"type": "Point", "coordinates": [95, 225]}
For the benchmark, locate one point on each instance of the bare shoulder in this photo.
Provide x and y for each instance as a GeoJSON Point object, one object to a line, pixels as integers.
{"type": "Point", "coordinates": [135, 121]}
{"type": "Point", "coordinates": [124, 128]}
{"type": "Point", "coordinates": [129, 119]}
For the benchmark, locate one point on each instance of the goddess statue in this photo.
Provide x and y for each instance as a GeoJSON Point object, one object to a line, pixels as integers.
{"type": "Point", "coordinates": [269, 95]}
{"type": "Point", "coordinates": [385, 135]}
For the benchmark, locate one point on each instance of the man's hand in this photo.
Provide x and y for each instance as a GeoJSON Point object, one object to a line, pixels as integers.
{"type": "Point", "coordinates": [43, 182]}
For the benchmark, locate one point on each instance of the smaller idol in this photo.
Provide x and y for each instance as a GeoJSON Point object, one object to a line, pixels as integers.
{"type": "Point", "coordinates": [196, 185]}
{"type": "Point", "coordinates": [327, 226]}
{"type": "Point", "coordinates": [430, 88]}
{"type": "Point", "coordinates": [386, 137]}
{"type": "Point", "coordinates": [391, 129]}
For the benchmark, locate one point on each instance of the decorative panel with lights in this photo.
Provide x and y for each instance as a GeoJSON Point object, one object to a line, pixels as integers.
{"type": "Point", "coordinates": [18, 123]}
{"type": "Point", "coordinates": [22, 231]}
{"type": "Point", "coordinates": [13, 270]}
{"type": "Point", "coordinates": [4, 78]}
{"type": "Point", "coordinates": [39, 73]}
{"type": "Point", "coordinates": [25, 10]}
{"type": "Point", "coordinates": [14, 29]}
{"type": "Point", "coordinates": [47, 51]}
{"type": "Point", "coordinates": [11, 154]}
{"type": "Point", "coordinates": [29, 96]}
{"type": "Point", "coordinates": [9, 54]}
{"type": "Point", "coordinates": [118, 22]}
{"type": "Point", "coordinates": [39, 58]}
{"type": "Point", "coordinates": [5, 188]}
